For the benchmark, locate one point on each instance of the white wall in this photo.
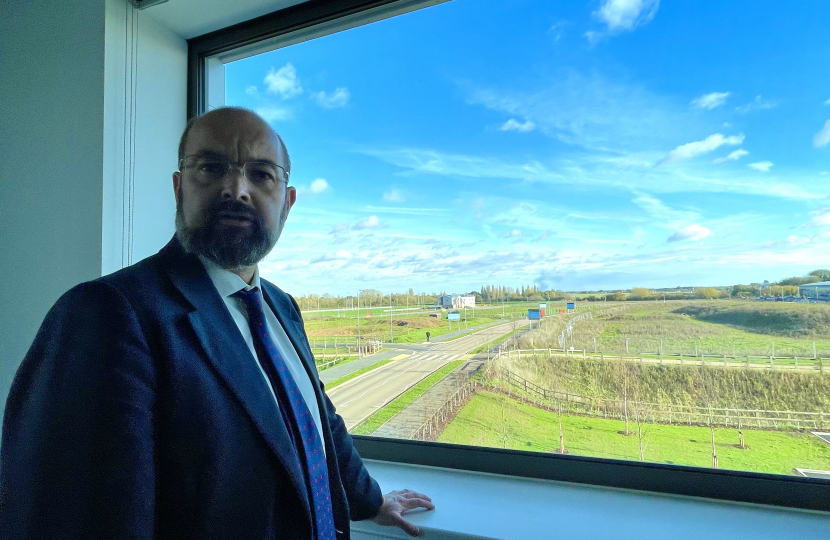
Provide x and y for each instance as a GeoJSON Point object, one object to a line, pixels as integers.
{"type": "Point", "coordinates": [62, 77]}
{"type": "Point", "coordinates": [51, 114]}
{"type": "Point", "coordinates": [146, 92]}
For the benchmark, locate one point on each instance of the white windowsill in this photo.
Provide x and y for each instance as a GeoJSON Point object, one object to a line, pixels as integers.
{"type": "Point", "coordinates": [480, 505]}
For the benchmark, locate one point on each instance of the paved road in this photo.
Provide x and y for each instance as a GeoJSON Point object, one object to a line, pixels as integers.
{"type": "Point", "coordinates": [361, 397]}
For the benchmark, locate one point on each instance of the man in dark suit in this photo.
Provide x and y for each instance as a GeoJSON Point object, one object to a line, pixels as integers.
{"type": "Point", "coordinates": [178, 398]}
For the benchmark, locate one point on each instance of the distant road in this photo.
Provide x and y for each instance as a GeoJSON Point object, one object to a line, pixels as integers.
{"type": "Point", "coordinates": [358, 399]}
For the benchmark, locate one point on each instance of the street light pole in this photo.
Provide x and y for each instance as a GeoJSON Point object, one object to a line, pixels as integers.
{"type": "Point", "coordinates": [391, 335]}
{"type": "Point", "coordinates": [358, 323]}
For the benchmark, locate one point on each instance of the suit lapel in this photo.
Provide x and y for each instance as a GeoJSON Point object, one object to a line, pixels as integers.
{"type": "Point", "coordinates": [227, 352]}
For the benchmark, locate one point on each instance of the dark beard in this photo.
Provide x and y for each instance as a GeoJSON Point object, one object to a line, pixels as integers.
{"type": "Point", "coordinates": [229, 247]}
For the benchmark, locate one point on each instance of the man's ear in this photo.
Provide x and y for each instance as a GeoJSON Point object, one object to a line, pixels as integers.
{"type": "Point", "coordinates": [177, 181]}
{"type": "Point", "coordinates": [290, 197]}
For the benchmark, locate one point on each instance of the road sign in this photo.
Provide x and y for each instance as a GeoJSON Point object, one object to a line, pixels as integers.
{"type": "Point", "coordinates": [534, 314]}
{"type": "Point", "coordinates": [571, 305]}
{"type": "Point", "coordinates": [542, 305]}
{"type": "Point", "coordinates": [453, 316]}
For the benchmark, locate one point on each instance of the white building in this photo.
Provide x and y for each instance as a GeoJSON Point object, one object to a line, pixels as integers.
{"type": "Point", "coordinates": [456, 301]}
{"type": "Point", "coordinates": [815, 291]}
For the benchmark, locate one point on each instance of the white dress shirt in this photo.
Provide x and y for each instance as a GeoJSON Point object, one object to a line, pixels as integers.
{"type": "Point", "coordinates": [227, 283]}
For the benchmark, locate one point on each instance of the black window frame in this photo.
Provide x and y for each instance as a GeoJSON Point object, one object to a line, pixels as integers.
{"type": "Point", "coordinates": [719, 484]}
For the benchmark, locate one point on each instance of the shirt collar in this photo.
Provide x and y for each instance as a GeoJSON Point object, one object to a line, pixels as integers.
{"type": "Point", "coordinates": [225, 281]}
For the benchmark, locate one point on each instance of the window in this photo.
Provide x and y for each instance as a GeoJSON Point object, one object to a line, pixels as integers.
{"type": "Point", "coordinates": [591, 230]}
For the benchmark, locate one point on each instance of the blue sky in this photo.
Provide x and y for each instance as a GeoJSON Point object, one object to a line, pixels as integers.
{"type": "Point", "coordinates": [574, 145]}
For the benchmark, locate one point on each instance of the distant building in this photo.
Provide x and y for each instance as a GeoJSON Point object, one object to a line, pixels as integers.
{"type": "Point", "coordinates": [815, 291]}
{"type": "Point", "coordinates": [456, 301]}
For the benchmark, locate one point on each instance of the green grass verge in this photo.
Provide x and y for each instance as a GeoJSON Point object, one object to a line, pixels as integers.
{"type": "Point", "coordinates": [525, 427]}
{"type": "Point", "coordinates": [320, 361]}
{"type": "Point", "coordinates": [404, 400]}
{"type": "Point", "coordinates": [345, 378]}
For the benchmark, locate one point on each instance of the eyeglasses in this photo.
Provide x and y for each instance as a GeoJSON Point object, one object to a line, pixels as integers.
{"type": "Point", "coordinates": [210, 169]}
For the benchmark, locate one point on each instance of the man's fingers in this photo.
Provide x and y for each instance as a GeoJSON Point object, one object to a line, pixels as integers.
{"type": "Point", "coordinates": [414, 495]}
{"type": "Point", "coordinates": [406, 526]}
{"type": "Point", "coordinates": [410, 504]}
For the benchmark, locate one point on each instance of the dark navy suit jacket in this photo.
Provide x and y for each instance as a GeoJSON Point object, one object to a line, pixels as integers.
{"type": "Point", "coordinates": [138, 413]}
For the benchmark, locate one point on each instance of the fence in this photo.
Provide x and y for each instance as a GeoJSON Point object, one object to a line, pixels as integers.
{"type": "Point", "coordinates": [339, 348]}
{"type": "Point", "coordinates": [662, 413]}
{"type": "Point", "coordinates": [773, 363]}
{"type": "Point", "coordinates": [695, 346]}
{"type": "Point", "coordinates": [430, 429]}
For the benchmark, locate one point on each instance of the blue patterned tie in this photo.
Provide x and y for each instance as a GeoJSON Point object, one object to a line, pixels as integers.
{"type": "Point", "coordinates": [309, 447]}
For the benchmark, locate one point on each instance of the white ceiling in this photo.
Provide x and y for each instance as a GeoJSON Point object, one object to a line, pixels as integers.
{"type": "Point", "coordinates": [191, 18]}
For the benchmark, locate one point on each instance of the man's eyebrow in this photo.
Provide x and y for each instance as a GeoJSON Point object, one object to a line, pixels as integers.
{"type": "Point", "coordinates": [217, 155]}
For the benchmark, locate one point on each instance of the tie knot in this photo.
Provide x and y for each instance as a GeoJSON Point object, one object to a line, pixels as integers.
{"type": "Point", "coordinates": [250, 296]}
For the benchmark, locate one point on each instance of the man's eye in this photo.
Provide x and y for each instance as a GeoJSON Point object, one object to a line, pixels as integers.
{"type": "Point", "coordinates": [258, 174]}
{"type": "Point", "coordinates": [213, 168]}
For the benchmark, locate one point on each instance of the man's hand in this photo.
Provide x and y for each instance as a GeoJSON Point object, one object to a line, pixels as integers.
{"type": "Point", "coordinates": [397, 503]}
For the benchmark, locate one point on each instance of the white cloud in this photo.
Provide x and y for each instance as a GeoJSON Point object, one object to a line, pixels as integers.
{"type": "Point", "coordinates": [819, 220]}
{"type": "Point", "coordinates": [272, 114]}
{"type": "Point", "coordinates": [710, 101]}
{"type": "Point", "coordinates": [284, 82]}
{"type": "Point", "coordinates": [338, 98]}
{"type": "Point", "coordinates": [593, 37]}
{"type": "Point", "coordinates": [371, 222]}
{"type": "Point", "coordinates": [763, 166]}
{"type": "Point", "coordinates": [692, 149]}
{"type": "Point", "coordinates": [622, 15]}
{"type": "Point", "coordinates": [797, 240]}
{"type": "Point", "coordinates": [690, 232]}
{"type": "Point", "coordinates": [558, 29]}
{"type": "Point", "coordinates": [734, 156]}
{"type": "Point", "coordinates": [319, 185]}
{"type": "Point", "coordinates": [251, 90]}
{"type": "Point", "coordinates": [393, 195]}
{"type": "Point", "coordinates": [341, 255]}
{"type": "Point", "coordinates": [514, 125]}
{"type": "Point", "coordinates": [515, 233]}
{"type": "Point", "coordinates": [757, 103]}
{"type": "Point", "coordinates": [827, 102]}
{"type": "Point", "coordinates": [823, 136]}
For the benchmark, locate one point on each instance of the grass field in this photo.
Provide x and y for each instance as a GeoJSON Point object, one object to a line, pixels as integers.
{"type": "Point", "coordinates": [329, 362]}
{"type": "Point", "coordinates": [404, 400]}
{"type": "Point", "coordinates": [717, 327]}
{"type": "Point", "coordinates": [407, 326]}
{"type": "Point", "coordinates": [525, 427]}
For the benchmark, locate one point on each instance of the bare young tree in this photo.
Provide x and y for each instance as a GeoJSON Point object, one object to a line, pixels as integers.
{"type": "Point", "coordinates": [503, 425]}
{"type": "Point", "coordinates": [711, 398]}
{"type": "Point", "coordinates": [561, 431]}
{"type": "Point", "coordinates": [641, 412]}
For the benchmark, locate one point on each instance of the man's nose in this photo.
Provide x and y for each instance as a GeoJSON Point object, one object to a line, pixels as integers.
{"type": "Point", "coordinates": [236, 186]}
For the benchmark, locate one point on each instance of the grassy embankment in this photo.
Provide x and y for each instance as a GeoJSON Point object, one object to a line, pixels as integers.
{"type": "Point", "coordinates": [525, 427]}
{"type": "Point", "coordinates": [404, 400]}
{"type": "Point", "coordinates": [697, 386]}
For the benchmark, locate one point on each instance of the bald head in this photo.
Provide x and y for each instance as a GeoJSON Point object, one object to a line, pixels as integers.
{"type": "Point", "coordinates": [236, 119]}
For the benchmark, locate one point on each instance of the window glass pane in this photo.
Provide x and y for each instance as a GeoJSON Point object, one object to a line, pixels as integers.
{"type": "Point", "coordinates": [592, 228]}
